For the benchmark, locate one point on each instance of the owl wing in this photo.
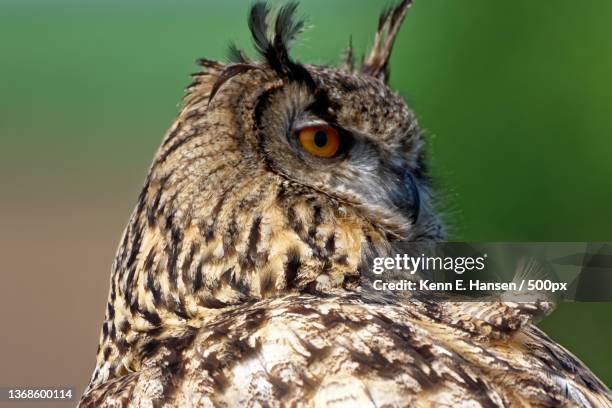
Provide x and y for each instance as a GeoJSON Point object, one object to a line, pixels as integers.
{"type": "Point", "coordinates": [343, 351]}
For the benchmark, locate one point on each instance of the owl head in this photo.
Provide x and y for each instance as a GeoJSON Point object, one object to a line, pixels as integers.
{"type": "Point", "coordinates": [278, 174]}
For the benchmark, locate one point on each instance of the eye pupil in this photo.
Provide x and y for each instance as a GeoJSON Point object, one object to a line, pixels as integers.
{"type": "Point", "coordinates": [320, 138]}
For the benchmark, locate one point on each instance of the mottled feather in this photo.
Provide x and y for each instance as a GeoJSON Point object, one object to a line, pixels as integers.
{"type": "Point", "coordinates": [238, 279]}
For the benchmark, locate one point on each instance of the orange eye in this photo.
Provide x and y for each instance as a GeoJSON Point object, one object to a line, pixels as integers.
{"type": "Point", "coordinates": [320, 141]}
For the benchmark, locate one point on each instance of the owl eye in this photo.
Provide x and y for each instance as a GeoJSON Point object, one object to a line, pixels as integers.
{"type": "Point", "coordinates": [320, 141]}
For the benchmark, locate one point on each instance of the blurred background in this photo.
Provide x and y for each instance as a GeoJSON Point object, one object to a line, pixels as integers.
{"type": "Point", "coordinates": [515, 96]}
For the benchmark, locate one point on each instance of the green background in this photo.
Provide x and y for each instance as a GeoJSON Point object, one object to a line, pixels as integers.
{"type": "Point", "coordinates": [515, 97]}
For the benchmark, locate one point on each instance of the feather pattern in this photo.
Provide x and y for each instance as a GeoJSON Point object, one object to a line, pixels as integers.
{"type": "Point", "coordinates": [238, 279]}
{"type": "Point", "coordinates": [345, 351]}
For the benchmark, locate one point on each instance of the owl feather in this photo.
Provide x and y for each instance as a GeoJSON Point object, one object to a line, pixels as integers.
{"type": "Point", "coordinates": [239, 278]}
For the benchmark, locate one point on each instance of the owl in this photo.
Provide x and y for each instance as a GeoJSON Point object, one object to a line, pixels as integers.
{"type": "Point", "coordinates": [238, 280]}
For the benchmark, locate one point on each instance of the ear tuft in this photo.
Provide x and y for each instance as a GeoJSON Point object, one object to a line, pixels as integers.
{"type": "Point", "coordinates": [258, 25]}
{"type": "Point", "coordinates": [389, 23]}
{"type": "Point", "coordinates": [349, 58]}
{"type": "Point", "coordinates": [274, 45]}
{"type": "Point", "coordinates": [287, 27]}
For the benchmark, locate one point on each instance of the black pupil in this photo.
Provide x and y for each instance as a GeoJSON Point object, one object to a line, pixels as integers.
{"type": "Point", "coordinates": [320, 138]}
